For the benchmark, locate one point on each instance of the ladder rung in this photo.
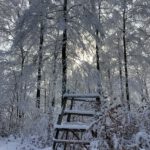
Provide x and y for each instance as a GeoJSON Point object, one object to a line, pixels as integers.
{"type": "Point", "coordinates": [69, 126]}
{"type": "Point", "coordinates": [94, 95]}
{"type": "Point", "coordinates": [71, 141]}
{"type": "Point", "coordinates": [78, 112]}
{"type": "Point", "coordinates": [82, 99]}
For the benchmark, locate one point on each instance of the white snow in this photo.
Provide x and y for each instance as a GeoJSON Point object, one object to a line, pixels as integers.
{"type": "Point", "coordinates": [17, 144]}
{"type": "Point", "coordinates": [94, 145]}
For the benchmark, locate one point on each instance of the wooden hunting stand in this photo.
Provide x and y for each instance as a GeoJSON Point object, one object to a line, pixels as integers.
{"type": "Point", "coordinates": [67, 133]}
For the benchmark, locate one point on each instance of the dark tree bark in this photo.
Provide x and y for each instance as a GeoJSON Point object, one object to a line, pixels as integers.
{"type": "Point", "coordinates": [99, 86]}
{"type": "Point", "coordinates": [125, 56]}
{"type": "Point", "coordinates": [120, 72]}
{"type": "Point", "coordinates": [97, 62]}
{"type": "Point", "coordinates": [97, 11]}
{"type": "Point", "coordinates": [40, 59]}
{"type": "Point", "coordinates": [64, 48]}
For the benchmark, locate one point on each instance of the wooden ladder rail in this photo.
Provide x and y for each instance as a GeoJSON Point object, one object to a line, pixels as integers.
{"type": "Point", "coordinates": [60, 118]}
{"type": "Point", "coordinates": [68, 120]}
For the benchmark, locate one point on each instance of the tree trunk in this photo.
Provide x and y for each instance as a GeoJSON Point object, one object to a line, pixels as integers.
{"type": "Point", "coordinates": [96, 11]}
{"type": "Point", "coordinates": [120, 73]}
{"type": "Point", "coordinates": [21, 88]}
{"type": "Point", "coordinates": [97, 64]}
{"type": "Point", "coordinates": [125, 57]}
{"type": "Point", "coordinates": [99, 86]}
{"type": "Point", "coordinates": [111, 92]}
{"type": "Point", "coordinates": [45, 93]}
{"type": "Point", "coordinates": [54, 72]}
{"type": "Point", "coordinates": [64, 48]}
{"type": "Point", "coordinates": [146, 90]}
{"type": "Point", "coordinates": [40, 59]}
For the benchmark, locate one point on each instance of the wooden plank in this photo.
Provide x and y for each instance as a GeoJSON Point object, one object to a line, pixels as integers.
{"type": "Point", "coordinates": [82, 99]}
{"type": "Point", "coordinates": [71, 141]}
{"type": "Point", "coordinates": [92, 95]}
{"type": "Point", "coordinates": [77, 127]}
{"type": "Point", "coordinates": [79, 113]}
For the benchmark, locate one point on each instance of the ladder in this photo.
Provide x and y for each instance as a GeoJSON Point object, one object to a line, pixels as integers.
{"type": "Point", "coordinates": [66, 128]}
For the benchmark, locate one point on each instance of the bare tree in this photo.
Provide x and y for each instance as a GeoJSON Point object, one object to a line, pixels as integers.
{"type": "Point", "coordinates": [125, 55]}
{"type": "Point", "coordinates": [40, 59]}
{"type": "Point", "coordinates": [64, 49]}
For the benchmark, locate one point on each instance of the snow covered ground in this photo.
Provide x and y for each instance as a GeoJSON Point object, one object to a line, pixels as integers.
{"type": "Point", "coordinates": [17, 144]}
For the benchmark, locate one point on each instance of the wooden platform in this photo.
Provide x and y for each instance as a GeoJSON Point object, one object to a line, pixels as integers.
{"type": "Point", "coordinates": [72, 141]}
{"type": "Point", "coordinates": [79, 112]}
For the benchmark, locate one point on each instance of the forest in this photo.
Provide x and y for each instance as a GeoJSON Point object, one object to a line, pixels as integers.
{"type": "Point", "coordinates": [75, 75]}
